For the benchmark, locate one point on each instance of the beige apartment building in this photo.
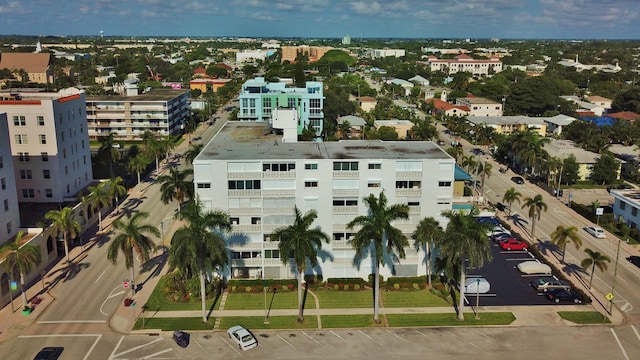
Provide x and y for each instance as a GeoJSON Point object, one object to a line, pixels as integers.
{"type": "Point", "coordinates": [9, 212]}
{"type": "Point", "coordinates": [289, 53]}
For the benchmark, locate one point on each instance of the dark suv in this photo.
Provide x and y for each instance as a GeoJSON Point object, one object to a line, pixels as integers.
{"type": "Point", "coordinates": [517, 179]}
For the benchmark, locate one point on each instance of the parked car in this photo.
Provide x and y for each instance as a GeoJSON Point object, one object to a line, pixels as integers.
{"type": "Point", "coordinates": [635, 260]}
{"type": "Point", "coordinates": [545, 285]}
{"type": "Point", "coordinates": [513, 244]}
{"type": "Point", "coordinates": [533, 267]}
{"type": "Point", "coordinates": [181, 338]}
{"type": "Point", "coordinates": [559, 295]}
{"type": "Point", "coordinates": [243, 337]}
{"type": "Point", "coordinates": [488, 219]}
{"type": "Point", "coordinates": [517, 179]}
{"type": "Point", "coordinates": [49, 353]}
{"type": "Point", "coordinates": [501, 236]}
{"type": "Point", "coordinates": [595, 232]}
{"type": "Point", "coordinates": [497, 230]}
{"type": "Point", "coordinates": [476, 286]}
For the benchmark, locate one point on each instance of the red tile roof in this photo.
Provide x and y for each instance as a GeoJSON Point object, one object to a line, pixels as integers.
{"type": "Point", "coordinates": [625, 115]}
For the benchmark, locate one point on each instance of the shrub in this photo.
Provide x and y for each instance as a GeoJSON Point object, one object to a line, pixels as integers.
{"type": "Point", "coordinates": [416, 286]}
{"type": "Point", "coordinates": [396, 286]}
{"type": "Point", "coordinates": [356, 286]}
{"type": "Point", "coordinates": [346, 287]}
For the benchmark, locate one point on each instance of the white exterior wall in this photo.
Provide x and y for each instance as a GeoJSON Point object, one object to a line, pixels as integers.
{"type": "Point", "coordinates": [274, 207]}
{"type": "Point", "coordinates": [9, 218]}
{"type": "Point", "coordinates": [67, 146]}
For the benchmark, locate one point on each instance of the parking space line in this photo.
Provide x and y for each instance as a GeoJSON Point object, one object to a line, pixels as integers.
{"type": "Point", "coordinates": [311, 337]}
{"type": "Point", "coordinates": [361, 332]}
{"type": "Point", "coordinates": [396, 335]}
{"type": "Point", "coordinates": [230, 345]}
{"type": "Point", "coordinates": [137, 347]}
{"type": "Point", "coordinates": [156, 354]}
{"type": "Point", "coordinates": [635, 331]}
{"type": "Point", "coordinates": [615, 336]}
{"type": "Point", "coordinates": [452, 334]}
{"type": "Point", "coordinates": [286, 342]}
{"type": "Point", "coordinates": [338, 336]}
{"type": "Point", "coordinates": [494, 340]}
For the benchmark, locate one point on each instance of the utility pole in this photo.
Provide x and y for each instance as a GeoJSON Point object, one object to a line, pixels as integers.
{"type": "Point", "coordinates": [611, 295]}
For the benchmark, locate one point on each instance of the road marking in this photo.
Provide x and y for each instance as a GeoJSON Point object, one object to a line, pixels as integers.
{"type": "Point", "coordinates": [360, 331]}
{"type": "Point", "coordinates": [396, 335]}
{"type": "Point", "coordinates": [311, 337]}
{"type": "Point", "coordinates": [116, 347]}
{"type": "Point", "coordinates": [626, 307]}
{"type": "Point", "coordinates": [338, 336]}
{"type": "Point", "coordinates": [452, 334]}
{"type": "Point", "coordinates": [158, 353]}
{"type": "Point", "coordinates": [635, 331]}
{"type": "Point", "coordinates": [111, 294]}
{"type": "Point", "coordinates": [230, 345]}
{"type": "Point", "coordinates": [72, 322]}
{"type": "Point", "coordinates": [138, 347]}
{"type": "Point", "coordinates": [92, 347]}
{"type": "Point", "coordinates": [494, 340]}
{"type": "Point", "coordinates": [620, 344]}
{"type": "Point", "coordinates": [57, 335]}
{"type": "Point", "coordinates": [421, 333]}
{"type": "Point", "coordinates": [99, 277]}
{"type": "Point", "coordinates": [286, 342]}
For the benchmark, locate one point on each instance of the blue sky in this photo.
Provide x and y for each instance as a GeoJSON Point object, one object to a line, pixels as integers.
{"type": "Point", "coordinates": [564, 19]}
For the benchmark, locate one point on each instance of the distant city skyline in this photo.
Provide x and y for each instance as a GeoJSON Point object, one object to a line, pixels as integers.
{"type": "Point", "coordinates": [474, 19]}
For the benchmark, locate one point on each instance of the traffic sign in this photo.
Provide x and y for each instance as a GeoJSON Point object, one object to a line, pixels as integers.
{"type": "Point", "coordinates": [14, 286]}
{"type": "Point", "coordinates": [125, 284]}
{"type": "Point", "coordinates": [600, 211]}
{"type": "Point", "coordinates": [609, 296]}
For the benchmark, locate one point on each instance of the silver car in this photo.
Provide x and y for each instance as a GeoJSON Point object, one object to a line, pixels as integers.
{"type": "Point", "coordinates": [595, 232]}
{"type": "Point", "coordinates": [544, 285]}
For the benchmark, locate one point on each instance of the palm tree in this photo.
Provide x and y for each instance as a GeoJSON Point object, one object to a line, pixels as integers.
{"type": "Point", "coordinates": [167, 145]}
{"type": "Point", "coordinates": [376, 230]}
{"type": "Point", "coordinates": [175, 186]}
{"type": "Point", "coordinates": [455, 152]}
{"type": "Point", "coordinates": [300, 242]}
{"type": "Point", "coordinates": [344, 129]}
{"type": "Point", "coordinates": [469, 163]}
{"type": "Point", "coordinates": [535, 206]}
{"type": "Point", "coordinates": [595, 259]}
{"type": "Point", "coordinates": [510, 196]}
{"type": "Point", "coordinates": [426, 234]}
{"type": "Point", "coordinates": [107, 152]}
{"type": "Point", "coordinates": [563, 235]}
{"type": "Point", "coordinates": [193, 151]}
{"type": "Point", "coordinates": [138, 164]}
{"type": "Point", "coordinates": [132, 240]}
{"type": "Point", "coordinates": [116, 189]}
{"type": "Point", "coordinates": [98, 198]}
{"type": "Point", "coordinates": [63, 221]}
{"type": "Point", "coordinates": [484, 169]}
{"type": "Point", "coordinates": [465, 239]}
{"type": "Point", "coordinates": [198, 248]}
{"type": "Point", "coordinates": [21, 257]}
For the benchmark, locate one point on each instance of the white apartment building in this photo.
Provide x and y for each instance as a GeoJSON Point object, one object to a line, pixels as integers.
{"type": "Point", "coordinates": [465, 63]}
{"type": "Point", "coordinates": [480, 106]}
{"type": "Point", "coordinates": [49, 144]}
{"type": "Point", "coordinates": [382, 53]}
{"type": "Point", "coordinates": [163, 112]}
{"type": "Point", "coordinates": [9, 212]}
{"type": "Point", "coordinates": [258, 179]}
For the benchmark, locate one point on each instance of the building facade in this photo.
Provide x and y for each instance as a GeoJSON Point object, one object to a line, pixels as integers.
{"type": "Point", "coordinates": [49, 144]}
{"type": "Point", "coordinates": [9, 211]}
{"type": "Point", "coordinates": [314, 53]}
{"type": "Point", "coordinates": [258, 180]}
{"type": "Point", "coordinates": [480, 106]}
{"type": "Point", "coordinates": [37, 66]}
{"type": "Point", "coordinates": [259, 98]}
{"type": "Point", "coordinates": [465, 63]}
{"type": "Point", "coordinates": [163, 112]}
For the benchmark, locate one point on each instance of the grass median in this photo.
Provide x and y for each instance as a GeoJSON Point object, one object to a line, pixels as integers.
{"type": "Point", "coordinates": [584, 317]}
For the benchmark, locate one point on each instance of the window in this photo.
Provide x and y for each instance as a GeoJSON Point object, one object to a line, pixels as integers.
{"type": "Point", "coordinates": [28, 193]}
{"type": "Point", "coordinates": [9, 227]}
{"type": "Point", "coordinates": [634, 211]}
{"type": "Point", "coordinates": [64, 153]}
{"type": "Point", "coordinates": [444, 183]}
{"type": "Point", "coordinates": [46, 174]}
{"type": "Point", "coordinates": [312, 166]}
{"type": "Point", "coordinates": [3, 183]}
{"type": "Point", "coordinates": [255, 220]}
{"type": "Point", "coordinates": [345, 166]}
{"type": "Point", "coordinates": [40, 119]}
{"type": "Point", "coordinates": [43, 139]}
{"type": "Point", "coordinates": [48, 193]}
{"type": "Point", "coordinates": [24, 157]}
{"type": "Point", "coordinates": [1, 162]}
{"type": "Point", "coordinates": [19, 121]}
{"type": "Point", "coordinates": [623, 205]}
{"type": "Point", "coordinates": [204, 185]}
{"type": "Point", "coordinates": [311, 184]}
{"type": "Point", "coordinates": [45, 156]}
{"type": "Point", "coordinates": [314, 103]}
{"type": "Point", "coordinates": [408, 184]}
{"type": "Point", "coordinates": [25, 174]}
{"type": "Point", "coordinates": [278, 166]}
{"type": "Point", "coordinates": [6, 205]}
{"type": "Point", "coordinates": [234, 220]}
{"type": "Point", "coordinates": [345, 202]}
{"type": "Point", "coordinates": [375, 166]}
{"type": "Point", "coordinates": [413, 203]}
{"type": "Point", "coordinates": [272, 254]}
{"type": "Point", "coordinates": [374, 183]}
{"type": "Point", "coordinates": [291, 102]}
{"type": "Point", "coordinates": [243, 184]}
{"type": "Point", "coordinates": [21, 139]}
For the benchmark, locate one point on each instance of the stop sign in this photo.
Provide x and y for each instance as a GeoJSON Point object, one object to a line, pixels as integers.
{"type": "Point", "coordinates": [125, 284]}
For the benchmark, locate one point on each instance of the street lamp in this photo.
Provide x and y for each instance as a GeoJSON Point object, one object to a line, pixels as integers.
{"type": "Point", "coordinates": [611, 295]}
{"type": "Point", "coordinates": [162, 231]}
{"type": "Point", "coordinates": [477, 298]}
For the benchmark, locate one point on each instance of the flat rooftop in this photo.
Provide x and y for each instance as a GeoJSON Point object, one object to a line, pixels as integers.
{"type": "Point", "coordinates": [153, 95]}
{"type": "Point", "coordinates": [253, 140]}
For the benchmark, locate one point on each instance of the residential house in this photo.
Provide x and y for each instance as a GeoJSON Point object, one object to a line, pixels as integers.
{"type": "Point", "coordinates": [367, 103]}
{"type": "Point", "coordinates": [207, 84]}
{"type": "Point", "coordinates": [38, 66]}
{"type": "Point", "coordinates": [356, 123]}
{"type": "Point", "coordinates": [508, 124]}
{"type": "Point", "coordinates": [586, 160]}
{"type": "Point", "coordinates": [441, 109]}
{"type": "Point", "coordinates": [556, 123]}
{"type": "Point", "coordinates": [402, 127]}
{"type": "Point", "coordinates": [600, 101]}
{"type": "Point", "coordinates": [625, 115]}
{"type": "Point", "coordinates": [625, 206]}
{"type": "Point", "coordinates": [479, 106]}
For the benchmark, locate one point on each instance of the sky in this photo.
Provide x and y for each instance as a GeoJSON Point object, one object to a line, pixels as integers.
{"type": "Point", "coordinates": [474, 19]}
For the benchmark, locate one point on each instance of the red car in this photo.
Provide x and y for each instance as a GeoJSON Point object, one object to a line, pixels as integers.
{"type": "Point", "coordinates": [513, 244]}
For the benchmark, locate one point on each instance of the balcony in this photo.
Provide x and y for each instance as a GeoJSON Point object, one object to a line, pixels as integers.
{"type": "Point", "coordinates": [279, 174]}
{"type": "Point", "coordinates": [346, 192]}
{"type": "Point", "coordinates": [345, 210]}
{"type": "Point", "coordinates": [278, 193]}
{"type": "Point", "coordinates": [346, 174]}
{"type": "Point", "coordinates": [247, 228]}
{"type": "Point", "coordinates": [408, 192]}
{"type": "Point", "coordinates": [233, 193]}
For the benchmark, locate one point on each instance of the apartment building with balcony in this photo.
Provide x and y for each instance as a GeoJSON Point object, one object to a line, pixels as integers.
{"type": "Point", "coordinates": [314, 53]}
{"type": "Point", "coordinates": [479, 106]}
{"type": "Point", "coordinates": [49, 144]}
{"type": "Point", "coordinates": [259, 98]}
{"type": "Point", "coordinates": [161, 111]}
{"type": "Point", "coordinates": [9, 212]}
{"type": "Point", "coordinates": [464, 63]}
{"type": "Point", "coordinates": [258, 179]}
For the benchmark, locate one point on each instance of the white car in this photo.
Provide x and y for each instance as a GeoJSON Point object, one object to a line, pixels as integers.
{"type": "Point", "coordinates": [595, 232]}
{"type": "Point", "coordinates": [476, 286]}
{"type": "Point", "coordinates": [533, 267]}
{"type": "Point", "coordinates": [242, 337]}
{"type": "Point", "coordinates": [498, 230]}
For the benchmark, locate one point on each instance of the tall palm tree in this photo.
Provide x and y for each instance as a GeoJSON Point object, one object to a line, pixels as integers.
{"type": "Point", "coordinates": [510, 196]}
{"type": "Point", "coordinates": [198, 248]}
{"type": "Point", "coordinates": [116, 189]}
{"type": "Point", "coordinates": [465, 239]}
{"type": "Point", "coordinates": [563, 235]}
{"type": "Point", "coordinates": [456, 152]}
{"type": "Point", "coordinates": [192, 152]}
{"type": "Point", "coordinates": [21, 257]}
{"type": "Point", "coordinates": [107, 152]}
{"type": "Point", "coordinates": [595, 259]}
{"type": "Point", "coordinates": [167, 145]}
{"type": "Point", "coordinates": [138, 164]}
{"type": "Point", "coordinates": [63, 221]}
{"type": "Point", "coordinates": [426, 234]}
{"type": "Point", "coordinates": [469, 163]}
{"type": "Point", "coordinates": [98, 198]}
{"type": "Point", "coordinates": [376, 230]}
{"type": "Point", "coordinates": [132, 241]}
{"type": "Point", "coordinates": [300, 242]}
{"type": "Point", "coordinates": [176, 186]}
{"type": "Point", "coordinates": [535, 205]}
{"type": "Point", "coordinates": [484, 170]}
{"type": "Point", "coordinates": [344, 129]}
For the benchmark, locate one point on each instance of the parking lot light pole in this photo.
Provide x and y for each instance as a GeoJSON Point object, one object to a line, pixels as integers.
{"type": "Point", "coordinates": [477, 298]}
{"type": "Point", "coordinates": [613, 283]}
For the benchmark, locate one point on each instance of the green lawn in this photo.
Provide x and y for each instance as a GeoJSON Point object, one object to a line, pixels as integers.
{"type": "Point", "coordinates": [248, 301]}
{"type": "Point", "coordinates": [158, 302]}
{"type": "Point", "coordinates": [449, 319]}
{"type": "Point", "coordinates": [330, 299]}
{"type": "Point", "coordinates": [170, 324]}
{"type": "Point", "coordinates": [275, 322]}
{"type": "Point", "coordinates": [422, 298]}
{"type": "Point", "coordinates": [348, 321]}
{"type": "Point", "coordinates": [584, 317]}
